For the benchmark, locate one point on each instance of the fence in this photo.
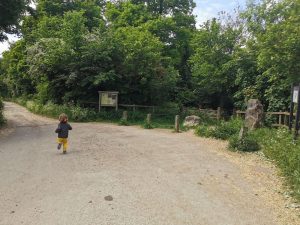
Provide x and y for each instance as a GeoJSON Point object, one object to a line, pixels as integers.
{"type": "Point", "coordinates": [281, 118]}
{"type": "Point", "coordinates": [215, 114]}
{"type": "Point", "coordinates": [212, 113]}
{"type": "Point", "coordinates": [134, 107]}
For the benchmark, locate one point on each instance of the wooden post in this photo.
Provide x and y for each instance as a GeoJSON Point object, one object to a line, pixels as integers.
{"type": "Point", "coordinates": [133, 108]}
{"type": "Point", "coordinates": [148, 120]}
{"type": "Point", "coordinates": [99, 102]}
{"type": "Point", "coordinates": [219, 113]}
{"type": "Point", "coordinates": [234, 115]}
{"type": "Point", "coordinates": [177, 123]}
{"type": "Point", "coordinates": [285, 120]}
{"type": "Point", "coordinates": [280, 119]}
{"type": "Point", "coordinates": [297, 116]}
{"type": "Point", "coordinates": [117, 103]}
{"type": "Point", "coordinates": [291, 117]}
{"type": "Point", "coordinates": [125, 116]}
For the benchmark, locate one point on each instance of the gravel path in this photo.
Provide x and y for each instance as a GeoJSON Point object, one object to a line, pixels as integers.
{"type": "Point", "coordinates": [115, 175]}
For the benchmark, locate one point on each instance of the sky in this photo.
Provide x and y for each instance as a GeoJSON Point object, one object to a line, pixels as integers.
{"type": "Point", "coordinates": [205, 9]}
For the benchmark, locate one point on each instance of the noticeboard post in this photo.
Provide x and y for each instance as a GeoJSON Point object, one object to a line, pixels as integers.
{"type": "Point", "coordinates": [295, 100]}
{"type": "Point", "coordinates": [108, 99]}
{"type": "Point", "coordinates": [295, 94]}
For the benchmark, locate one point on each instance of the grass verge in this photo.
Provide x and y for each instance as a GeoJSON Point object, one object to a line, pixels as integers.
{"type": "Point", "coordinates": [276, 144]}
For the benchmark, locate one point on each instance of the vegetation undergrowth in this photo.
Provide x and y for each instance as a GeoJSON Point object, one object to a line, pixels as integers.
{"type": "Point", "coordinates": [79, 114]}
{"type": "Point", "coordinates": [2, 120]}
{"type": "Point", "coordinates": [123, 122]}
{"type": "Point", "coordinates": [220, 130]}
{"type": "Point", "coordinates": [276, 144]}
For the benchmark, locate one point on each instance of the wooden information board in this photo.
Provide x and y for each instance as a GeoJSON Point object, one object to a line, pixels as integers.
{"type": "Point", "coordinates": [108, 99]}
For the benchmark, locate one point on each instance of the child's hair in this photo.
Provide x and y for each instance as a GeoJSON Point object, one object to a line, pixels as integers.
{"type": "Point", "coordinates": [62, 117]}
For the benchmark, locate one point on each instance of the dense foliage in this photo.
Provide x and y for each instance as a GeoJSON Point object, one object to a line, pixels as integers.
{"type": "Point", "coordinates": [152, 53]}
{"type": "Point", "coordinates": [10, 14]}
{"type": "Point", "coordinates": [2, 120]}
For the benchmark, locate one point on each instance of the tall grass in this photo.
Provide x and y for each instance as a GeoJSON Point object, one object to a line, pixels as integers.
{"type": "Point", "coordinates": [278, 145]}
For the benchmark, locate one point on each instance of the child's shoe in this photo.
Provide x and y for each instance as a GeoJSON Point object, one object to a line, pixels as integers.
{"type": "Point", "coordinates": [59, 146]}
{"type": "Point", "coordinates": [64, 151]}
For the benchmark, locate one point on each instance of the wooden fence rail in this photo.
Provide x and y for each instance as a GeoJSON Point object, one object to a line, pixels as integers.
{"type": "Point", "coordinates": [213, 113]}
{"type": "Point", "coordinates": [134, 107]}
{"type": "Point", "coordinates": [216, 114]}
{"type": "Point", "coordinates": [282, 118]}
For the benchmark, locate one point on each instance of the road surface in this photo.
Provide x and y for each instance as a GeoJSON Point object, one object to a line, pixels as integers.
{"type": "Point", "coordinates": [115, 175]}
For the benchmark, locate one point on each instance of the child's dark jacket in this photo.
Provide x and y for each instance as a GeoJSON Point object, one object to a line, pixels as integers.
{"type": "Point", "coordinates": [63, 130]}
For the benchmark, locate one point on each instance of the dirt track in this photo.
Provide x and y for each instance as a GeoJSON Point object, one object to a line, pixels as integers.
{"type": "Point", "coordinates": [117, 175]}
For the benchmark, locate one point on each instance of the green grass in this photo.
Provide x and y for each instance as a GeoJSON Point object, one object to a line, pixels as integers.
{"type": "Point", "coordinates": [246, 144]}
{"type": "Point", "coordinates": [278, 145]}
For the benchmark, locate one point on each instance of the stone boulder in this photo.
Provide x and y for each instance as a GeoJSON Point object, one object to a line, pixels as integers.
{"type": "Point", "coordinates": [191, 121]}
{"type": "Point", "coordinates": [254, 114]}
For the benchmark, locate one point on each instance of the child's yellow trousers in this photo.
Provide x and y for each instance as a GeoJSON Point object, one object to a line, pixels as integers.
{"type": "Point", "coordinates": [64, 142]}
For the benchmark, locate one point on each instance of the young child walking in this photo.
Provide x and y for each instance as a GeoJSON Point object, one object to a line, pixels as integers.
{"type": "Point", "coordinates": [63, 132]}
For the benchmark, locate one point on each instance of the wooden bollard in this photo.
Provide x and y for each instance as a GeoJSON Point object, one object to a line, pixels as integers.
{"type": "Point", "coordinates": [285, 120]}
{"type": "Point", "coordinates": [219, 113]}
{"type": "Point", "coordinates": [234, 115]}
{"type": "Point", "coordinates": [280, 119]}
{"type": "Point", "coordinates": [177, 123]}
{"type": "Point", "coordinates": [148, 120]}
{"type": "Point", "coordinates": [125, 116]}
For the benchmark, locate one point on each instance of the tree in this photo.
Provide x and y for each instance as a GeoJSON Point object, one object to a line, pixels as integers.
{"type": "Point", "coordinates": [273, 29]}
{"type": "Point", "coordinates": [10, 16]}
{"type": "Point", "coordinates": [128, 60]}
{"type": "Point", "coordinates": [14, 71]}
{"type": "Point", "coordinates": [213, 66]}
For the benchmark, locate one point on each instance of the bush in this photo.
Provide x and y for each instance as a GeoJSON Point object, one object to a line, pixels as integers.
{"type": "Point", "coordinates": [204, 131]}
{"type": "Point", "coordinates": [247, 144]}
{"type": "Point", "coordinates": [75, 113]}
{"type": "Point", "coordinates": [147, 125]}
{"type": "Point", "coordinates": [123, 122]}
{"type": "Point", "coordinates": [2, 120]}
{"type": "Point", "coordinates": [111, 116]}
{"type": "Point", "coordinates": [223, 130]}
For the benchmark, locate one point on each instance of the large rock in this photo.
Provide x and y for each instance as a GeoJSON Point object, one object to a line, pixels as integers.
{"type": "Point", "coordinates": [191, 121]}
{"type": "Point", "coordinates": [254, 114]}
